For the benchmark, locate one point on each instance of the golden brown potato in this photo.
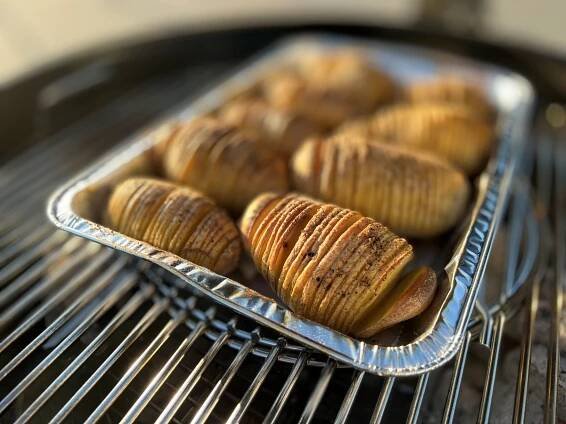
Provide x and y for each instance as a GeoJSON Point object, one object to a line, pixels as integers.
{"type": "Point", "coordinates": [282, 131]}
{"type": "Point", "coordinates": [330, 88]}
{"type": "Point", "coordinates": [332, 265]}
{"type": "Point", "coordinates": [414, 194]}
{"type": "Point", "coordinates": [451, 90]}
{"type": "Point", "coordinates": [176, 219]}
{"type": "Point", "coordinates": [448, 131]}
{"type": "Point", "coordinates": [224, 163]}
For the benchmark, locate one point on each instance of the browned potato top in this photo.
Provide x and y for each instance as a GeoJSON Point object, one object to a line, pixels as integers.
{"type": "Point", "coordinates": [448, 131]}
{"type": "Point", "coordinates": [330, 264]}
{"type": "Point", "coordinates": [223, 162]}
{"type": "Point", "coordinates": [280, 130]}
{"type": "Point", "coordinates": [451, 90]}
{"type": "Point", "coordinates": [331, 87]}
{"type": "Point", "coordinates": [176, 219]}
{"type": "Point", "coordinates": [415, 194]}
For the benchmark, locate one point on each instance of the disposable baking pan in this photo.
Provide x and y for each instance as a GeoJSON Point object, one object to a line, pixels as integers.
{"type": "Point", "coordinates": [460, 258]}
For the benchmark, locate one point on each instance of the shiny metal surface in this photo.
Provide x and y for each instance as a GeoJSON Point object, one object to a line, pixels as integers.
{"type": "Point", "coordinates": [69, 209]}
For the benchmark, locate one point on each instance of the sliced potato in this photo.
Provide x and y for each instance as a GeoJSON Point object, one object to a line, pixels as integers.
{"type": "Point", "coordinates": [280, 130]}
{"type": "Point", "coordinates": [176, 219]}
{"type": "Point", "coordinates": [328, 264]}
{"type": "Point", "coordinates": [413, 193]}
{"type": "Point", "coordinates": [330, 87]}
{"type": "Point", "coordinates": [223, 163]}
{"type": "Point", "coordinates": [448, 131]}
{"type": "Point", "coordinates": [451, 90]}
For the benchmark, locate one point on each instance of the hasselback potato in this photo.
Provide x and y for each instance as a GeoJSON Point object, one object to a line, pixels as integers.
{"type": "Point", "coordinates": [223, 162]}
{"type": "Point", "coordinates": [280, 130]}
{"type": "Point", "coordinates": [451, 90]}
{"type": "Point", "coordinates": [176, 219]}
{"type": "Point", "coordinates": [330, 87]}
{"type": "Point", "coordinates": [332, 265]}
{"type": "Point", "coordinates": [414, 194]}
{"type": "Point", "coordinates": [448, 131]}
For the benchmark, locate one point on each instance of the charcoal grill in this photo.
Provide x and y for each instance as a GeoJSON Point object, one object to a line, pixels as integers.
{"type": "Point", "coordinates": [87, 334]}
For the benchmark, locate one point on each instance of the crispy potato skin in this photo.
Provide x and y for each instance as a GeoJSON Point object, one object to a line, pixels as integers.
{"type": "Point", "coordinates": [414, 194]}
{"type": "Point", "coordinates": [328, 264]}
{"type": "Point", "coordinates": [330, 87]}
{"type": "Point", "coordinates": [176, 219]}
{"type": "Point", "coordinates": [280, 130]}
{"type": "Point", "coordinates": [451, 90]}
{"type": "Point", "coordinates": [223, 162]}
{"type": "Point", "coordinates": [447, 131]}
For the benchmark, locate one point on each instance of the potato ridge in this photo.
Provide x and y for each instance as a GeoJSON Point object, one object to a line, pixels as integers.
{"type": "Point", "coordinates": [223, 162]}
{"type": "Point", "coordinates": [414, 194]}
{"type": "Point", "coordinates": [176, 219]}
{"type": "Point", "coordinates": [326, 263]}
{"type": "Point", "coordinates": [447, 131]}
{"type": "Point", "coordinates": [450, 89]}
{"type": "Point", "coordinates": [330, 87]}
{"type": "Point", "coordinates": [280, 130]}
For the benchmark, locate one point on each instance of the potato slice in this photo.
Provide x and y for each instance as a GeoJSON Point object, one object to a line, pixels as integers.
{"type": "Point", "coordinates": [409, 298]}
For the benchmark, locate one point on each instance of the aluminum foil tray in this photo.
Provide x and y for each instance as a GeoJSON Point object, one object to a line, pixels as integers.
{"type": "Point", "coordinates": [422, 344]}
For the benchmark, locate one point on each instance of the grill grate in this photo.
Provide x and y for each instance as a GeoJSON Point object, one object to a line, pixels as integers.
{"type": "Point", "coordinates": [87, 334]}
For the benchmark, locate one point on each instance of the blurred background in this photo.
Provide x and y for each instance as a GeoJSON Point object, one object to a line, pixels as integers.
{"type": "Point", "coordinates": [35, 33]}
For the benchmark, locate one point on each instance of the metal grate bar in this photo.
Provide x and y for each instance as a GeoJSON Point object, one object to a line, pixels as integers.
{"type": "Point", "coordinates": [136, 367]}
{"type": "Point", "coordinates": [162, 375]}
{"type": "Point", "coordinates": [30, 180]}
{"type": "Point", "coordinates": [43, 286]}
{"type": "Point", "coordinates": [456, 381]}
{"type": "Point", "coordinates": [495, 345]}
{"type": "Point", "coordinates": [521, 389]}
{"type": "Point", "coordinates": [278, 404]}
{"type": "Point", "coordinates": [127, 311]}
{"type": "Point", "coordinates": [21, 195]}
{"type": "Point", "coordinates": [350, 397]}
{"type": "Point", "coordinates": [47, 247]}
{"type": "Point", "coordinates": [190, 382]}
{"type": "Point", "coordinates": [553, 362]}
{"type": "Point", "coordinates": [44, 153]}
{"type": "Point", "coordinates": [244, 403]}
{"type": "Point", "coordinates": [144, 322]}
{"type": "Point", "coordinates": [382, 400]}
{"type": "Point", "coordinates": [55, 353]}
{"type": "Point", "coordinates": [40, 312]}
{"type": "Point", "coordinates": [25, 243]}
{"type": "Point", "coordinates": [418, 396]}
{"type": "Point", "coordinates": [212, 399]}
{"type": "Point", "coordinates": [12, 229]}
{"type": "Point", "coordinates": [318, 392]}
{"type": "Point", "coordinates": [102, 282]}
